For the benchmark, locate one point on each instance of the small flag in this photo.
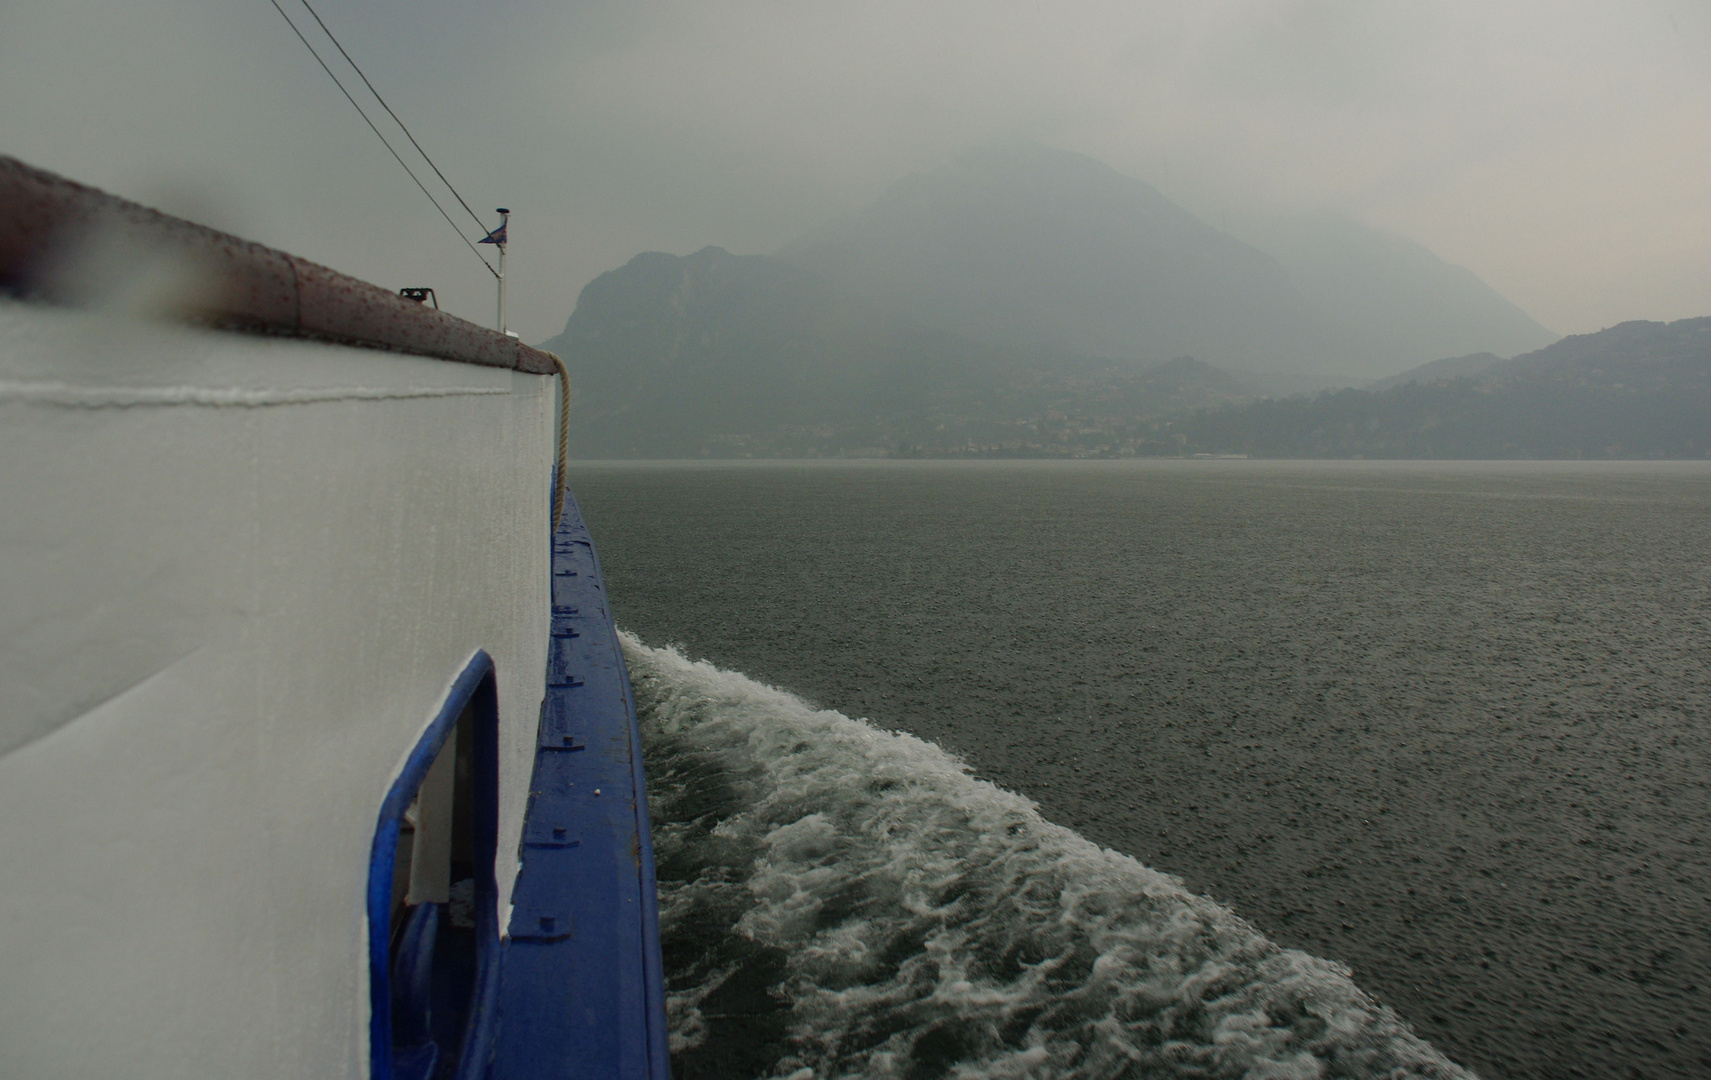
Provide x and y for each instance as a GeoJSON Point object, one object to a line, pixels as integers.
{"type": "Point", "coordinates": [497, 236]}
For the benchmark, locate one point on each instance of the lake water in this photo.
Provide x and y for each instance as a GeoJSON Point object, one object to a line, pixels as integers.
{"type": "Point", "coordinates": [1444, 723]}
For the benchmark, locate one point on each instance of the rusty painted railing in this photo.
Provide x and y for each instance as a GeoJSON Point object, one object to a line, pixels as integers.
{"type": "Point", "coordinates": [48, 223]}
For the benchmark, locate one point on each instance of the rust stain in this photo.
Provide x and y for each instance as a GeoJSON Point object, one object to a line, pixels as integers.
{"type": "Point", "coordinates": [45, 220]}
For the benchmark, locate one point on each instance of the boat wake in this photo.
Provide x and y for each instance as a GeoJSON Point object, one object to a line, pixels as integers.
{"type": "Point", "coordinates": [838, 901]}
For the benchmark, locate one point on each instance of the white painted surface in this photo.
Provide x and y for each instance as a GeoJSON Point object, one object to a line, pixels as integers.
{"type": "Point", "coordinates": [237, 576]}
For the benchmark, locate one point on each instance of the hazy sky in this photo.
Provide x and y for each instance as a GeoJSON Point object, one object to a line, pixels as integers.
{"type": "Point", "coordinates": [1559, 148]}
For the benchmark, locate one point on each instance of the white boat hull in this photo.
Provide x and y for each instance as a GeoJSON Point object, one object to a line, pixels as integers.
{"type": "Point", "coordinates": [249, 570]}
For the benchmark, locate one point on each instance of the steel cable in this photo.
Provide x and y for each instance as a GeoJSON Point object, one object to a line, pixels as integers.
{"type": "Point", "coordinates": [395, 119]}
{"type": "Point", "coordinates": [382, 138]}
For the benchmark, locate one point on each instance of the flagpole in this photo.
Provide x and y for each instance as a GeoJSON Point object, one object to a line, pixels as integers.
{"type": "Point", "coordinates": [504, 233]}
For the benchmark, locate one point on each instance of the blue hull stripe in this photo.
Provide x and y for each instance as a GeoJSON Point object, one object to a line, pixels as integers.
{"type": "Point", "coordinates": [581, 992]}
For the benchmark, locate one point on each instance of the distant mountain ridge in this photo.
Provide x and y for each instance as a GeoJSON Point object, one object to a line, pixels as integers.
{"type": "Point", "coordinates": [718, 355]}
{"type": "Point", "coordinates": [1027, 302]}
{"type": "Point", "coordinates": [1636, 390]}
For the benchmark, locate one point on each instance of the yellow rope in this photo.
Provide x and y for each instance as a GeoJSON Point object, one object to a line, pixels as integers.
{"type": "Point", "coordinates": [560, 484]}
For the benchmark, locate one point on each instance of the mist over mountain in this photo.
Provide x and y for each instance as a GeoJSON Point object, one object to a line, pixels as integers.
{"type": "Point", "coordinates": [719, 355]}
{"type": "Point", "coordinates": [722, 355]}
{"type": "Point", "coordinates": [1021, 244]}
{"type": "Point", "coordinates": [1028, 302]}
{"type": "Point", "coordinates": [1400, 303]}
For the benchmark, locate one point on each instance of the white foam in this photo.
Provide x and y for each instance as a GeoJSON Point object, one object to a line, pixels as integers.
{"type": "Point", "coordinates": [838, 901]}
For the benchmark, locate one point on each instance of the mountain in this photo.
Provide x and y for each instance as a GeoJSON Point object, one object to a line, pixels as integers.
{"type": "Point", "coordinates": [1450, 367]}
{"type": "Point", "coordinates": [1398, 300]}
{"type": "Point", "coordinates": [1637, 390]}
{"type": "Point", "coordinates": [678, 355]}
{"type": "Point", "coordinates": [1024, 301]}
{"type": "Point", "coordinates": [1633, 358]}
{"type": "Point", "coordinates": [1021, 244]}
{"type": "Point", "coordinates": [721, 355]}
{"type": "Point", "coordinates": [1025, 245]}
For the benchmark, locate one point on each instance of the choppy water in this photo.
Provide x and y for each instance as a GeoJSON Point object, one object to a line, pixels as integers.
{"type": "Point", "coordinates": [1444, 724]}
{"type": "Point", "coordinates": [837, 900]}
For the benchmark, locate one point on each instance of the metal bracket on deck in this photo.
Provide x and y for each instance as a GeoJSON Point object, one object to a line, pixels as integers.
{"type": "Point", "coordinates": [546, 835]}
{"type": "Point", "coordinates": [558, 741]}
{"type": "Point", "coordinates": [533, 924]}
